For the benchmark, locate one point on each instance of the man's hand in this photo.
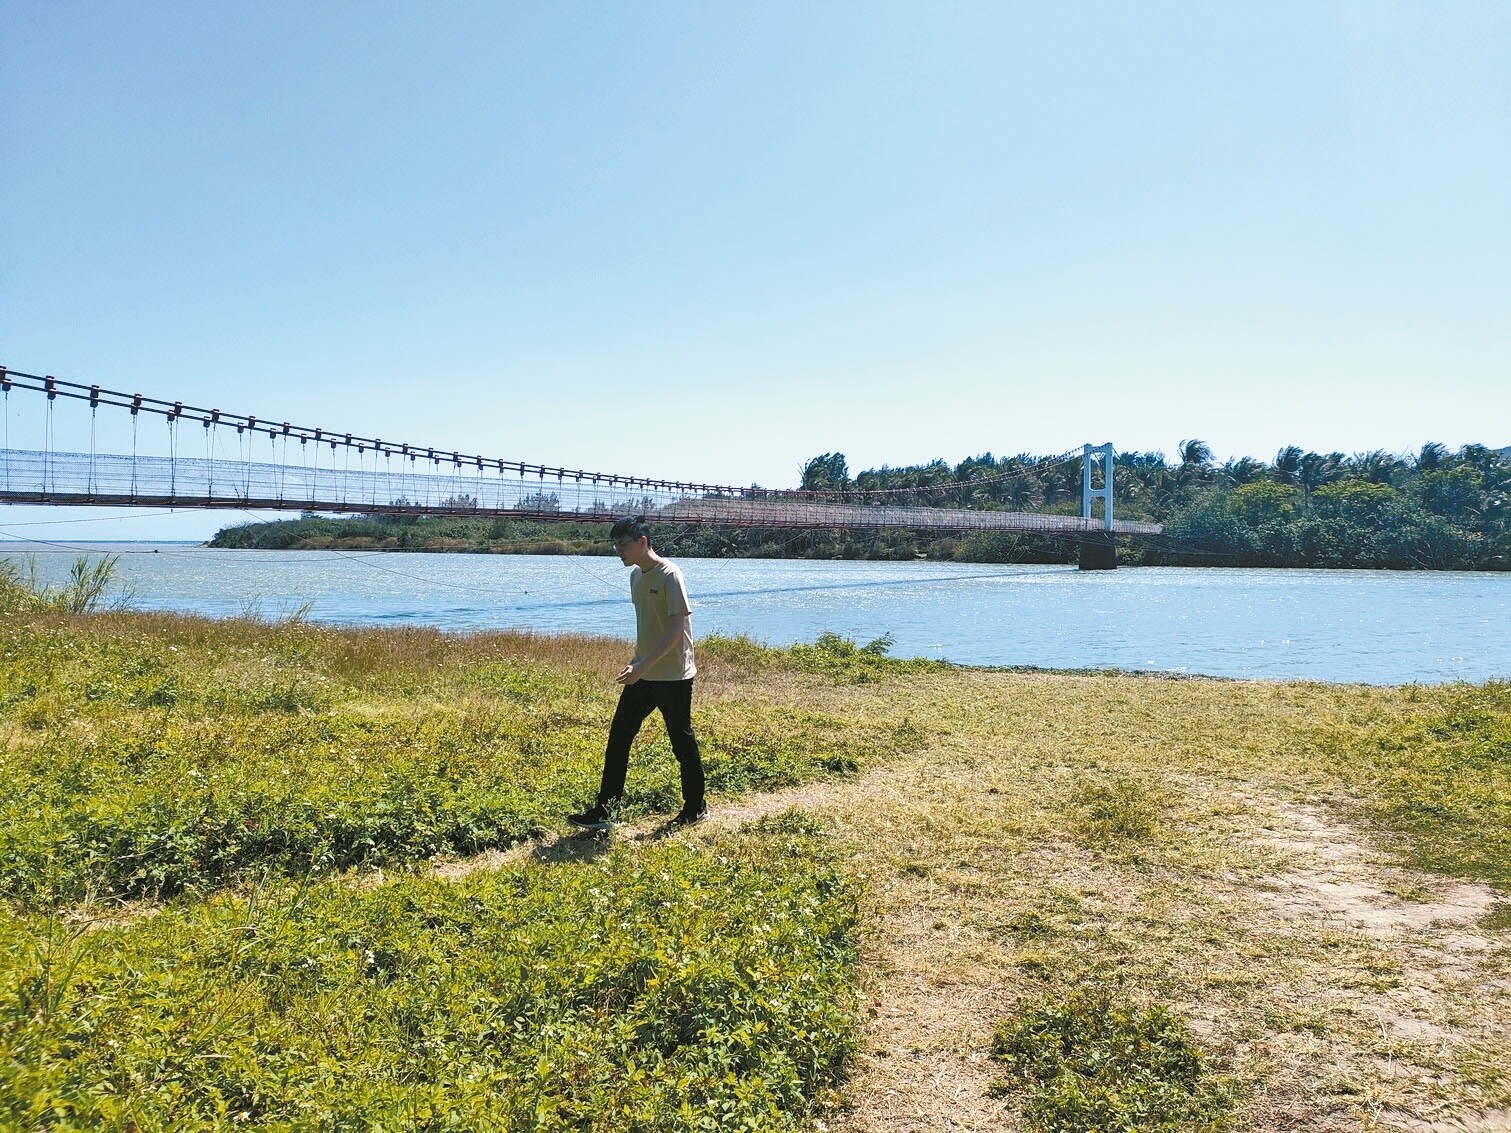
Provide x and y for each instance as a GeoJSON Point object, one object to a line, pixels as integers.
{"type": "Point", "coordinates": [678, 626]}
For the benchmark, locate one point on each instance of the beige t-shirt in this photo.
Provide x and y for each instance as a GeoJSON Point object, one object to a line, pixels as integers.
{"type": "Point", "coordinates": [659, 595]}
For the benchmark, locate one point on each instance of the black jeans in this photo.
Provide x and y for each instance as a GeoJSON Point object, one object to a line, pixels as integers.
{"type": "Point", "coordinates": [636, 702]}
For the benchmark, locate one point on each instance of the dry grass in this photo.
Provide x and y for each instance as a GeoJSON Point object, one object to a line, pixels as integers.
{"type": "Point", "coordinates": [1178, 842]}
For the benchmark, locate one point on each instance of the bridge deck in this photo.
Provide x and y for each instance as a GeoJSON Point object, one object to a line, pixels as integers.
{"type": "Point", "coordinates": [28, 477]}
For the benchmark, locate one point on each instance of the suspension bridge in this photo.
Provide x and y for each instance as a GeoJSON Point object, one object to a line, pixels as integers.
{"type": "Point", "coordinates": [194, 457]}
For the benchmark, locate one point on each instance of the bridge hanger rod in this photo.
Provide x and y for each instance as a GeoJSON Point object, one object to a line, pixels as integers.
{"type": "Point", "coordinates": [173, 410]}
{"type": "Point", "coordinates": [176, 410]}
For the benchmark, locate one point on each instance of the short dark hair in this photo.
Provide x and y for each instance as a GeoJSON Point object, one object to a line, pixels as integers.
{"type": "Point", "coordinates": [633, 526]}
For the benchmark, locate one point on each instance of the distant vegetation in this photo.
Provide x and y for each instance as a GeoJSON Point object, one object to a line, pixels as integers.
{"type": "Point", "coordinates": [1432, 510]}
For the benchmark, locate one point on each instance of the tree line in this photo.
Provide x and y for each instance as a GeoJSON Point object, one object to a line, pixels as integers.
{"type": "Point", "coordinates": [1432, 509]}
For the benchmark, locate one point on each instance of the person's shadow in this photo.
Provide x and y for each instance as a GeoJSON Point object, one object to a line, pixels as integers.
{"type": "Point", "coordinates": [579, 846]}
{"type": "Point", "coordinates": [588, 845]}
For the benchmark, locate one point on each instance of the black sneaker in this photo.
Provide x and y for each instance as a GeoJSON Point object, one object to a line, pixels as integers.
{"type": "Point", "coordinates": [596, 817]}
{"type": "Point", "coordinates": [690, 816]}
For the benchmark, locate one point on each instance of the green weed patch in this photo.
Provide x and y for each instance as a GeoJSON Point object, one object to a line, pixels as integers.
{"type": "Point", "coordinates": [244, 766]}
{"type": "Point", "coordinates": [173, 805]}
{"type": "Point", "coordinates": [149, 765]}
{"type": "Point", "coordinates": [1090, 1065]}
{"type": "Point", "coordinates": [659, 987]}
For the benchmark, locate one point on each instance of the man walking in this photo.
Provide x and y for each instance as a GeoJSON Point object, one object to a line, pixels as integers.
{"type": "Point", "coordinates": [659, 676]}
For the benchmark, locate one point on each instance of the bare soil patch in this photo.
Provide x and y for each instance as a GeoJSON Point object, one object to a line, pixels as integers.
{"type": "Point", "coordinates": [1394, 982]}
{"type": "Point", "coordinates": [1487, 1121]}
{"type": "Point", "coordinates": [1337, 878]}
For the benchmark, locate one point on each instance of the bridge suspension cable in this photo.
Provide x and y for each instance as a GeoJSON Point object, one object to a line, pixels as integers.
{"type": "Point", "coordinates": [436, 481]}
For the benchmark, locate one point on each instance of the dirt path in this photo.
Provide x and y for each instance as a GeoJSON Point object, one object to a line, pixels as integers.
{"type": "Point", "coordinates": [1446, 992]}
{"type": "Point", "coordinates": [924, 1060]}
{"type": "Point", "coordinates": [1389, 963]}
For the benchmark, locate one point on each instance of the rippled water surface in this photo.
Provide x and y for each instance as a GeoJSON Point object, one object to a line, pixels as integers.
{"type": "Point", "coordinates": [1370, 626]}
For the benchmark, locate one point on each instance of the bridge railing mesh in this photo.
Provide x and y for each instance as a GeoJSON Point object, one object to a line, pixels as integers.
{"type": "Point", "coordinates": [396, 487]}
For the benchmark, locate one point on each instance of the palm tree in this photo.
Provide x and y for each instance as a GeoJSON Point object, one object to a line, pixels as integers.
{"type": "Point", "coordinates": [936, 478]}
{"type": "Point", "coordinates": [1142, 477]}
{"type": "Point", "coordinates": [1486, 460]}
{"type": "Point", "coordinates": [1022, 492]}
{"type": "Point", "coordinates": [968, 472]}
{"type": "Point", "coordinates": [1315, 470]}
{"type": "Point", "coordinates": [1288, 465]}
{"type": "Point", "coordinates": [1060, 480]}
{"type": "Point", "coordinates": [1377, 467]}
{"type": "Point", "coordinates": [826, 473]}
{"type": "Point", "coordinates": [1195, 452]}
{"type": "Point", "coordinates": [1244, 470]}
{"type": "Point", "coordinates": [1195, 467]}
{"type": "Point", "coordinates": [1433, 457]}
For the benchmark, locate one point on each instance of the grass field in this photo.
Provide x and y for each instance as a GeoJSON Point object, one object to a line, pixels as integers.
{"type": "Point", "coordinates": [277, 876]}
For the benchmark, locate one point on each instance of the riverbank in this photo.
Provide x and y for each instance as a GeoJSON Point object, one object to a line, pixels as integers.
{"type": "Point", "coordinates": [1379, 627]}
{"type": "Point", "coordinates": [1440, 519]}
{"type": "Point", "coordinates": [465, 535]}
{"type": "Point", "coordinates": [1302, 887]}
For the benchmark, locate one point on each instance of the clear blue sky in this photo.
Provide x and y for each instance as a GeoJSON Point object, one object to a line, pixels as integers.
{"type": "Point", "coordinates": [711, 240]}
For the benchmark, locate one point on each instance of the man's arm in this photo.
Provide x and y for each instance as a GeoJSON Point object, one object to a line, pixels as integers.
{"type": "Point", "coordinates": [676, 626]}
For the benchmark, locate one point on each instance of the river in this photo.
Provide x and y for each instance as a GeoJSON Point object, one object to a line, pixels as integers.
{"type": "Point", "coordinates": [1373, 627]}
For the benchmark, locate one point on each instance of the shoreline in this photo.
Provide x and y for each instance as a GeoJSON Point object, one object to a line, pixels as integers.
{"type": "Point", "coordinates": [594, 549]}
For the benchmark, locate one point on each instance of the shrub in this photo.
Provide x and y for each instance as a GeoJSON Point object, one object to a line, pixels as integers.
{"type": "Point", "coordinates": [841, 658]}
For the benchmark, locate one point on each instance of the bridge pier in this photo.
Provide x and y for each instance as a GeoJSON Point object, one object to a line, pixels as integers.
{"type": "Point", "coordinates": [1098, 552]}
